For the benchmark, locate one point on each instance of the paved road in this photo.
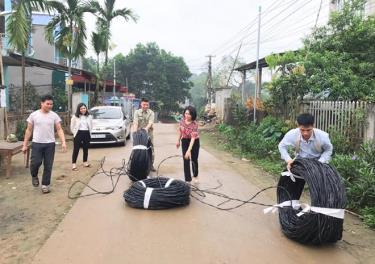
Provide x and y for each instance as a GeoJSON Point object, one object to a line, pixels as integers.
{"type": "Point", "coordinates": [104, 230]}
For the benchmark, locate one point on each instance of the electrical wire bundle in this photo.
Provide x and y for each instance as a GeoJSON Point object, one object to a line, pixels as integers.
{"type": "Point", "coordinates": [139, 164]}
{"type": "Point", "coordinates": [112, 173]}
{"type": "Point", "coordinates": [158, 193]}
{"type": "Point", "coordinates": [326, 191]}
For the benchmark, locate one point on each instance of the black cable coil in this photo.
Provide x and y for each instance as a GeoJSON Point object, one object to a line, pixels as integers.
{"type": "Point", "coordinates": [176, 194]}
{"type": "Point", "coordinates": [139, 164]}
{"type": "Point", "coordinates": [326, 190]}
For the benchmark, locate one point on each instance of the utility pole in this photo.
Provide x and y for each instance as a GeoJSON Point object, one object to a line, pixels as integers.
{"type": "Point", "coordinates": [114, 79]}
{"type": "Point", "coordinates": [209, 80]}
{"type": "Point", "coordinates": [243, 86]}
{"type": "Point", "coordinates": [257, 68]}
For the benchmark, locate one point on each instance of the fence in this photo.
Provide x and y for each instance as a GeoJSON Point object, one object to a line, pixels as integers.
{"type": "Point", "coordinates": [13, 119]}
{"type": "Point", "coordinates": [352, 119]}
{"type": "Point", "coordinates": [355, 120]}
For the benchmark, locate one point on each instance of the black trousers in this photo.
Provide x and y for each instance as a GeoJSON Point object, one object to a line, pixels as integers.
{"type": "Point", "coordinates": [42, 152]}
{"type": "Point", "coordinates": [82, 138]}
{"type": "Point", "coordinates": [185, 142]}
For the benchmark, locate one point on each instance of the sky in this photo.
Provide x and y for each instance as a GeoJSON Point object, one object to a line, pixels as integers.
{"type": "Point", "coordinates": [194, 29]}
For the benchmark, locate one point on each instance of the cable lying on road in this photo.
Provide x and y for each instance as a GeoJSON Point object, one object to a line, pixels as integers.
{"type": "Point", "coordinates": [318, 223]}
{"type": "Point", "coordinates": [111, 173]}
{"type": "Point", "coordinates": [158, 193]}
{"type": "Point", "coordinates": [140, 160]}
{"type": "Point", "coordinates": [322, 221]}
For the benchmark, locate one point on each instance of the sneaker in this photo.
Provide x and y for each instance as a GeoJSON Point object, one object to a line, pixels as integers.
{"type": "Point", "coordinates": [35, 181]}
{"type": "Point", "coordinates": [45, 189]}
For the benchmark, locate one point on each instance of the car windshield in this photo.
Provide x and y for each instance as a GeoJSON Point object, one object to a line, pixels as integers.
{"type": "Point", "coordinates": [106, 113]}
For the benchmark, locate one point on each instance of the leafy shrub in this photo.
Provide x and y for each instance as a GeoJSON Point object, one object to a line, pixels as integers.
{"type": "Point", "coordinates": [273, 128]}
{"type": "Point", "coordinates": [20, 130]}
{"type": "Point", "coordinates": [358, 171]}
{"type": "Point", "coordinates": [341, 143]}
{"type": "Point", "coordinates": [369, 216]}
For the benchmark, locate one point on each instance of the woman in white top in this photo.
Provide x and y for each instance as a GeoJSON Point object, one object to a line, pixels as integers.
{"type": "Point", "coordinates": [81, 125]}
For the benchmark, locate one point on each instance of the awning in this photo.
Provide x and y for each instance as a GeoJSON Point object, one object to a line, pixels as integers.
{"type": "Point", "coordinates": [15, 59]}
{"type": "Point", "coordinates": [262, 63]}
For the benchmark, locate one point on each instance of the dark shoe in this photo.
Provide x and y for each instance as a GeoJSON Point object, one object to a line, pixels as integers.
{"type": "Point", "coordinates": [153, 168]}
{"type": "Point", "coordinates": [35, 181]}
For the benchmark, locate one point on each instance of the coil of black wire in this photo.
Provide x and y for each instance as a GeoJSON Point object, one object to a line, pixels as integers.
{"type": "Point", "coordinates": [139, 164]}
{"type": "Point", "coordinates": [158, 193]}
{"type": "Point", "coordinates": [326, 190]}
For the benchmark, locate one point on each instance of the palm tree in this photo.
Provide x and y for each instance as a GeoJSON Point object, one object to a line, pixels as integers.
{"type": "Point", "coordinates": [105, 16]}
{"type": "Point", "coordinates": [67, 30]}
{"type": "Point", "coordinates": [19, 30]}
{"type": "Point", "coordinates": [98, 43]}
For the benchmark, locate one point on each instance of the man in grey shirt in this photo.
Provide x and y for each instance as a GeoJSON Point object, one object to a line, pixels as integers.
{"type": "Point", "coordinates": [41, 124]}
{"type": "Point", "coordinates": [307, 142]}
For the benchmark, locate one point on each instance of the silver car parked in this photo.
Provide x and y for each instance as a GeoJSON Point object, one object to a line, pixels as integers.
{"type": "Point", "coordinates": [109, 125]}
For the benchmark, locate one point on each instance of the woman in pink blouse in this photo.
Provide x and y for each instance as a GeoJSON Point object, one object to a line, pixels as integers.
{"type": "Point", "coordinates": [189, 139]}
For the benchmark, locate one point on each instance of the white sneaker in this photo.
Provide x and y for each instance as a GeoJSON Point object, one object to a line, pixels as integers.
{"type": "Point", "coordinates": [45, 189]}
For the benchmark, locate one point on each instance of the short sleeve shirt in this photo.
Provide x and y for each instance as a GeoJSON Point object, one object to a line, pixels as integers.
{"type": "Point", "coordinates": [143, 118]}
{"type": "Point", "coordinates": [43, 126]}
{"type": "Point", "coordinates": [189, 130]}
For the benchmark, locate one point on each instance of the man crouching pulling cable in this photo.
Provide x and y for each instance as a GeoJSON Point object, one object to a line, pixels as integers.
{"type": "Point", "coordinates": [307, 141]}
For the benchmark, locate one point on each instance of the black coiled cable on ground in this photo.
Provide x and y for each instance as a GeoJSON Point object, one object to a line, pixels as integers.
{"type": "Point", "coordinates": [158, 193]}
{"type": "Point", "coordinates": [326, 190]}
{"type": "Point", "coordinates": [139, 164]}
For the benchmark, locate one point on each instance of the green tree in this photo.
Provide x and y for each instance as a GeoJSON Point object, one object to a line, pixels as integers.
{"type": "Point", "coordinates": [19, 31]}
{"type": "Point", "coordinates": [89, 64]}
{"type": "Point", "coordinates": [198, 90]}
{"type": "Point", "coordinates": [341, 55]}
{"type": "Point", "coordinates": [67, 30]}
{"type": "Point", "coordinates": [159, 75]}
{"type": "Point", "coordinates": [289, 87]}
{"type": "Point", "coordinates": [337, 62]}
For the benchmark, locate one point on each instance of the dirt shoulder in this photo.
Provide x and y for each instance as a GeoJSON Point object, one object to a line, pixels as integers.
{"type": "Point", "coordinates": [358, 239]}
{"type": "Point", "coordinates": [28, 217]}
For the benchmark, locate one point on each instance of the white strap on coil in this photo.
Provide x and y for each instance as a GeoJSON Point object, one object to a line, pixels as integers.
{"type": "Point", "coordinates": [142, 183]}
{"type": "Point", "coordinates": [147, 198]}
{"type": "Point", "coordinates": [294, 203]}
{"type": "Point", "coordinates": [291, 175]}
{"type": "Point", "coordinates": [169, 182]}
{"type": "Point", "coordinates": [334, 212]}
{"type": "Point", "coordinates": [140, 147]}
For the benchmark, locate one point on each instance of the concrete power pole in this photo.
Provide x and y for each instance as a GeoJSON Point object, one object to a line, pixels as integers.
{"type": "Point", "coordinates": [257, 87]}
{"type": "Point", "coordinates": [209, 80]}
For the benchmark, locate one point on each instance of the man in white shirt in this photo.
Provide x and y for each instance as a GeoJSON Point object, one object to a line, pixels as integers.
{"type": "Point", "coordinates": [41, 124]}
{"type": "Point", "coordinates": [307, 142]}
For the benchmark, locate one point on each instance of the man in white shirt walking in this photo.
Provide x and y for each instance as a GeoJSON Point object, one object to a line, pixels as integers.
{"type": "Point", "coordinates": [307, 142]}
{"type": "Point", "coordinates": [41, 124]}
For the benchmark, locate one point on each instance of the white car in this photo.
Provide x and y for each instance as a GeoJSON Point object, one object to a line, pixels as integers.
{"type": "Point", "coordinates": [109, 125]}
